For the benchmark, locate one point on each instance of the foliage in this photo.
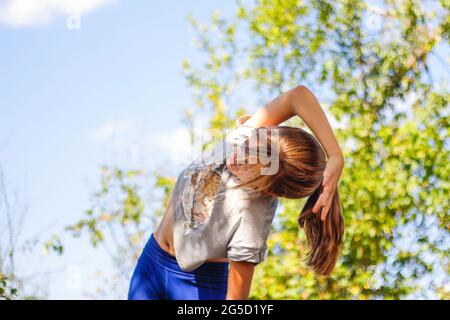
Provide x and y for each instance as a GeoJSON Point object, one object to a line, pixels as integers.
{"type": "Point", "coordinates": [120, 218]}
{"type": "Point", "coordinates": [394, 131]}
{"type": "Point", "coordinates": [6, 291]}
{"type": "Point", "coordinates": [17, 253]}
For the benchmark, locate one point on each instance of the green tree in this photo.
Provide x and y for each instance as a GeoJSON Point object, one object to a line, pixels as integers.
{"type": "Point", "coordinates": [123, 211]}
{"type": "Point", "coordinates": [374, 78]}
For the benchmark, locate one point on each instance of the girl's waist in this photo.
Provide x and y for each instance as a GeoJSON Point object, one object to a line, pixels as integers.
{"type": "Point", "coordinates": [154, 251]}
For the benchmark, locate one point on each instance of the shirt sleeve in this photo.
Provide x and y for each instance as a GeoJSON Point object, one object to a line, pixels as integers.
{"type": "Point", "coordinates": [249, 242]}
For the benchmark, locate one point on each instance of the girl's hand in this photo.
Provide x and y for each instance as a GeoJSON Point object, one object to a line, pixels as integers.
{"type": "Point", "coordinates": [331, 178]}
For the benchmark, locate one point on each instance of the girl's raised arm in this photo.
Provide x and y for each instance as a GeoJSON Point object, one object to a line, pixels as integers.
{"type": "Point", "coordinates": [302, 102]}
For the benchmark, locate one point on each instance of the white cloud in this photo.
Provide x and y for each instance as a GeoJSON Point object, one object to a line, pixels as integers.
{"type": "Point", "coordinates": [25, 13]}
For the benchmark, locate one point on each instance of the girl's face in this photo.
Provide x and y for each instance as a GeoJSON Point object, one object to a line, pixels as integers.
{"type": "Point", "coordinates": [243, 165]}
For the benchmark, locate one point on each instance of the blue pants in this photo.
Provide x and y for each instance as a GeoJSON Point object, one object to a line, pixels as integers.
{"type": "Point", "coordinates": [158, 276]}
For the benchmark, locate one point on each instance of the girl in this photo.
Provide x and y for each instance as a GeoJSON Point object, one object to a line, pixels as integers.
{"type": "Point", "coordinates": [215, 228]}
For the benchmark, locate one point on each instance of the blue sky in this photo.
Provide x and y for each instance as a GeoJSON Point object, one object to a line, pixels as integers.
{"type": "Point", "coordinates": [71, 100]}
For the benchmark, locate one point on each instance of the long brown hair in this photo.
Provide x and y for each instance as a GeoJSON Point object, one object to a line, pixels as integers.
{"type": "Point", "coordinates": [301, 165]}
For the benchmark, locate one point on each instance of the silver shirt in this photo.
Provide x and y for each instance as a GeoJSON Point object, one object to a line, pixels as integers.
{"type": "Point", "coordinates": [210, 220]}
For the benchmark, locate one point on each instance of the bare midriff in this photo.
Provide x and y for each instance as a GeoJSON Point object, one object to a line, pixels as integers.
{"type": "Point", "coordinates": [164, 235]}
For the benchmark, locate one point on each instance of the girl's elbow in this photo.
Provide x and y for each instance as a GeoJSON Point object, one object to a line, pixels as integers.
{"type": "Point", "coordinates": [297, 97]}
{"type": "Point", "coordinates": [302, 89]}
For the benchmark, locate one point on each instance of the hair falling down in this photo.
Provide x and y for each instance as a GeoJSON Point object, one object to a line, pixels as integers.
{"type": "Point", "coordinates": [324, 237]}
